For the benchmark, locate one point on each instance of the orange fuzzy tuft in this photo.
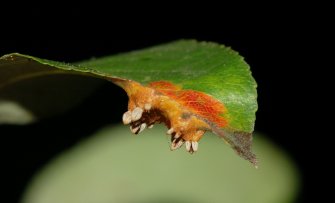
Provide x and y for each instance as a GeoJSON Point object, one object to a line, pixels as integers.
{"type": "Point", "coordinates": [197, 102]}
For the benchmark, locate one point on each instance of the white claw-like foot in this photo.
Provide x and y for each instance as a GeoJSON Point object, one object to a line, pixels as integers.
{"type": "Point", "coordinates": [191, 146]}
{"type": "Point", "coordinates": [139, 118]}
{"type": "Point", "coordinates": [176, 141]}
{"type": "Point", "coordinates": [176, 144]}
{"type": "Point", "coordinates": [142, 127]}
{"type": "Point", "coordinates": [136, 114]}
{"type": "Point", "coordinates": [188, 145]}
{"type": "Point", "coordinates": [170, 131]}
{"type": "Point", "coordinates": [126, 118]}
{"type": "Point", "coordinates": [177, 135]}
{"type": "Point", "coordinates": [195, 146]}
{"type": "Point", "coordinates": [134, 129]}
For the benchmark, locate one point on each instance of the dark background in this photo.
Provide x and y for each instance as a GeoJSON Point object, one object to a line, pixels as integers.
{"type": "Point", "coordinates": [274, 42]}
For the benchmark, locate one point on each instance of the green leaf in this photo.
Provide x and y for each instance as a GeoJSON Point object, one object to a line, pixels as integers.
{"type": "Point", "coordinates": [206, 67]}
{"type": "Point", "coordinates": [113, 166]}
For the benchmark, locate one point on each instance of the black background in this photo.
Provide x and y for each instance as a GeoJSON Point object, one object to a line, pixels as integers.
{"type": "Point", "coordinates": [274, 41]}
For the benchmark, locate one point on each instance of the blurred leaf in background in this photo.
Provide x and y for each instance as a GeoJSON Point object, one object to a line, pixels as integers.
{"type": "Point", "coordinates": [113, 166]}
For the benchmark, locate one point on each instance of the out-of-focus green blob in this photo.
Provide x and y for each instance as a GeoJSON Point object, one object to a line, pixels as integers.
{"type": "Point", "coordinates": [114, 166]}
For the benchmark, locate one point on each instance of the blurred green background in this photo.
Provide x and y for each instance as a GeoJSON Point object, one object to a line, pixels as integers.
{"type": "Point", "coordinates": [115, 166]}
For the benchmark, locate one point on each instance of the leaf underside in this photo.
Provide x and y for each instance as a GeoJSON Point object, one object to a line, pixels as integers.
{"type": "Point", "coordinates": [206, 67]}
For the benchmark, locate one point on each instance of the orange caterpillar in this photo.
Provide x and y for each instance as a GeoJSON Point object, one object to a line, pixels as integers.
{"type": "Point", "coordinates": [188, 114]}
